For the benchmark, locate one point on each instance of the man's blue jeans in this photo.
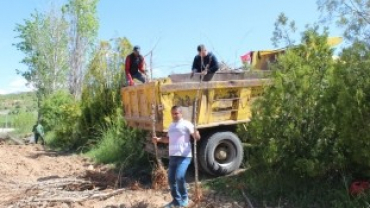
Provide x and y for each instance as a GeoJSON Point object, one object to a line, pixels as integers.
{"type": "Point", "coordinates": [176, 178]}
{"type": "Point", "coordinates": [139, 76]}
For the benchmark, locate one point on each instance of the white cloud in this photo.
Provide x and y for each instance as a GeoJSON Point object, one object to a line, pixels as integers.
{"type": "Point", "coordinates": [3, 92]}
{"type": "Point", "coordinates": [19, 82]}
{"type": "Point", "coordinates": [15, 86]}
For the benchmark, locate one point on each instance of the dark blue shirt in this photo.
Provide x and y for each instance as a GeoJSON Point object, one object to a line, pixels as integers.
{"type": "Point", "coordinates": [210, 60]}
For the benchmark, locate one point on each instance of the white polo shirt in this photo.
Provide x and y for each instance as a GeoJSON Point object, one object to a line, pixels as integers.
{"type": "Point", "coordinates": [179, 138]}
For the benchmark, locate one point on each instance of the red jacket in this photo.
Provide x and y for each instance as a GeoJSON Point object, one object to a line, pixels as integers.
{"type": "Point", "coordinates": [133, 65]}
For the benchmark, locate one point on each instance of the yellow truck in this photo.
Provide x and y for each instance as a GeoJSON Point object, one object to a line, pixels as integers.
{"type": "Point", "coordinates": [224, 101]}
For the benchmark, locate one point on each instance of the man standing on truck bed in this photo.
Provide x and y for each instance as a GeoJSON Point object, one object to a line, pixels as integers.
{"type": "Point", "coordinates": [205, 61]}
{"type": "Point", "coordinates": [180, 153]}
{"type": "Point", "coordinates": [134, 66]}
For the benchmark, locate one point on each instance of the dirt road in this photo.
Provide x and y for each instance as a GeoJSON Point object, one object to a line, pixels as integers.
{"type": "Point", "coordinates": [32, 177]}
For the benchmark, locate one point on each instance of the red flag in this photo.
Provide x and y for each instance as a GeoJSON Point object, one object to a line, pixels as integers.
{"type": "Point", "coordinates": [246, 57]}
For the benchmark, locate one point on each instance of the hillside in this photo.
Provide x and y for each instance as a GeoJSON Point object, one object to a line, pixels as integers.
{"type": "Point", "coordinates": [25, 101]}
{"type": "Point", "coordinates": [18, 110]}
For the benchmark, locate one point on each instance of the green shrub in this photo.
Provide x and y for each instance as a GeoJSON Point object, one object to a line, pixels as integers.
{"type": "Point", "coordinates": [349, 98]}
{"type": "Point", "coordinates": [52, 109]}
{"type": "Point", "coordinates": [61, 115]}
{"type": "Point", "coordinates": [119, 143]}
{"type": "Point", "coordinates": [51, 140]}
{"type": "Point", "coordinates": [67, 133]}
{"type": "Point", "coordinates": [309, 130]}
{"type": "Point", "coordinates": [290, 124]}
{"type": "Point", "coordinates": [314, 119]}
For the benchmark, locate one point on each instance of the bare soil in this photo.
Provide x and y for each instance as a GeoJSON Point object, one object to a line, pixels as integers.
{"type": "Point", "coordinates": [32, 177]}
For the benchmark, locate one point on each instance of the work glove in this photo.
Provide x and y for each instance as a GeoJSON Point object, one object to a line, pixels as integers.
{"type": "Point", "coordinates": [205, 71]}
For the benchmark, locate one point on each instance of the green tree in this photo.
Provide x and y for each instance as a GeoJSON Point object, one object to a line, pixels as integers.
{"type": "Point", "coordinates": [43, 40]}
{"type": "Point", "coordinates": [353, 15]}
{"type": "Point", "coordinates": [349, 96]}
{"type": "Point", "coordinates": [84, 25]}
{"type": "Point", "coordinates": [283, 31]}
{"type": "Point", "coordinates": [290, 123]}
{"type": "Point", "coordinates": [101, 86]}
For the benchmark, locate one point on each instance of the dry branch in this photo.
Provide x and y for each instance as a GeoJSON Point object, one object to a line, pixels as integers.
{"type": "Point", "coordinates": [247, 200]}
{"type": "Point", "coordinates": [103, 196]}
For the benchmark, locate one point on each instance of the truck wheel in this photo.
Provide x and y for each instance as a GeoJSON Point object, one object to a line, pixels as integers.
{"type": "Point", "coordinates": [221, 153]}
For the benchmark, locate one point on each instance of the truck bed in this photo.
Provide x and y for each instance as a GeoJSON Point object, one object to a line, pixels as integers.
{"type": "Point", "coordinates": [225, 99]}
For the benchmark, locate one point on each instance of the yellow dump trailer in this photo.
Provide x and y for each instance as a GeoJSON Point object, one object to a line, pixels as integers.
{"type": "Point", "coordinates": [224, 101]}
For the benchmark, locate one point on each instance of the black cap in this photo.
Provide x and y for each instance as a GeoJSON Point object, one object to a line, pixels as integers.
{"type": "Point", "coordinates": [200, 47]}
{"type": "Point", "coordinates": [136, 48]}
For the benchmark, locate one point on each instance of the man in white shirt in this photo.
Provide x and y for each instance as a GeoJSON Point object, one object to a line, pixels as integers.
{"type": "Point", "coordinates": [180, 153]}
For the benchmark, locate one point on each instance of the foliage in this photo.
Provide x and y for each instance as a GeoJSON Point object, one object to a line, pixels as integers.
{"type": "Point", "coordinates": [43, 40]}
{"type": "Point", "coordinates": [119, 143]}
{"type": "Point", "coordinates": [267, 188]}
{"type": "Point", "coordinates": [353, 15]}
{"type": "Point", "coordinates": [25, 100]}
{"type": "Point", "coordinates": [53, 107]}
{"type": "Point", "coordinates": [101, 88]}
{"type": "Point", "coordinates": [349, 96]}
{"type": "Point", "coordinates": [83, 29]}
{"type": "Point", "coordinates": [290, 124]}
{"type": "Point", "coordinates": [60, 116]}
{"type": "Point", "coordinates": [67, 134]}
{"type": "Point", "coordinates": [85, 122]}
{"type": "Point", "coordinates": [283, 30]}
{"type": "Point", "coordinates": [18, 111]}
{"type": "Point", "coordinates": [313, 119]}
{"type": "Point", "coordinates": [309, 130]}
{"type": "Point", "coordinates": [24, 121]}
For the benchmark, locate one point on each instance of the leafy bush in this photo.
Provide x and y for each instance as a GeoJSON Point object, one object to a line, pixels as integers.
{"type": "Point", "coordinates": [67, 132]}
{"type": "Point", "coordinates": [310, 129]}
{"type": "Point", "coordinates": [60, 114]}
{"type": "Point", "coordinates": [349, 99]}
{"type": "Point", "coordinates": [290, 123]}
{"type": "Point", "coordinates": [82, 124]}
{"type": "Point", "coordinates": [52, 109]}
{"type": "Point", "coordinates": [314, 119]}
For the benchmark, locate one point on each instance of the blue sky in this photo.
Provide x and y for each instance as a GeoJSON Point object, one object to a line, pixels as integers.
{"type": "Point", "coordinates": [228, 28]}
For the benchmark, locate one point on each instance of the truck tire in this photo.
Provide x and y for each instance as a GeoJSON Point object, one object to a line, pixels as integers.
{"type": "Point", "coordinates": [221, 153]}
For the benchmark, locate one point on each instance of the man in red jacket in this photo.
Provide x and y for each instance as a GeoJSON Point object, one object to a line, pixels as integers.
{"type": "Point", "coordinates": [134, 67]}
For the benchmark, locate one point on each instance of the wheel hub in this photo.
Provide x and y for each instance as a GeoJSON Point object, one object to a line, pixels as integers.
{"type": "Point", "coordinates": [221, 153]}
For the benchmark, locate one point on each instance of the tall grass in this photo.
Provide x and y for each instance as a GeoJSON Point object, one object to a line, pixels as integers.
{"type": "Point", "coordinates": [275, 188]}
{"type": "Point", "coordinates": [270, 187]}
{"type": "Point", "coordinates": [119, 145]}
{"type": "Point", "coordinates": [24, 121]}
{"type": "Point", "coordinates": [6, 121]}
